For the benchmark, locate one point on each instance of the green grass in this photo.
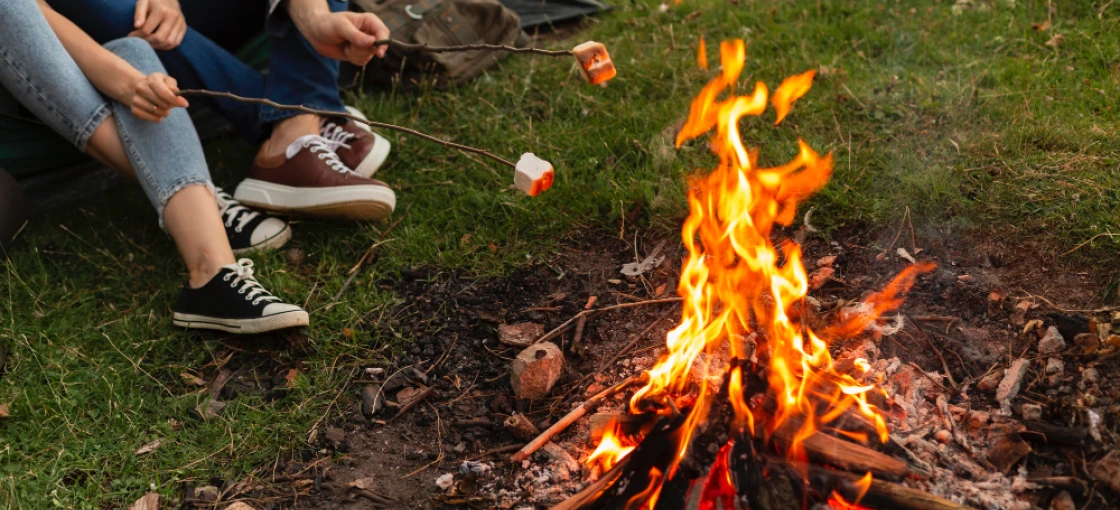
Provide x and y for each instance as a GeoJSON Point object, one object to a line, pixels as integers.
{"type": "Point", "coordinates": [969, 120]}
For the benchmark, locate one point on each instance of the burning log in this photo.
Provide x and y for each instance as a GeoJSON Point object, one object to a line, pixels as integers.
{"type": "Point", "coordinates": [849, 456]}
{"type": "Point", "coordinates": [880, 494]}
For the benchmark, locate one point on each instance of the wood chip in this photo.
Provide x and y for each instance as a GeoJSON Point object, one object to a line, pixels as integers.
{"type": "Point", "coordinates": [150, 501]}
{"type": "Point", "coordinates": [149, 447]}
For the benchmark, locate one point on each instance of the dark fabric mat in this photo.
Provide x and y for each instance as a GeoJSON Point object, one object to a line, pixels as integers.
{"type": "Point", "coordinates": [535, 13]}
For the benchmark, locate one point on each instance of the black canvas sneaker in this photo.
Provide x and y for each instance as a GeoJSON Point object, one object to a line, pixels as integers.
{"type": "Point", "coordinates": [235, 302]}
{"type": "Point", "coordinates": [248, 230]}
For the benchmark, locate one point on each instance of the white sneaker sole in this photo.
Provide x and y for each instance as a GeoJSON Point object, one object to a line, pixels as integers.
{"type": "Point", "coordinates": [284, 320]}
{"type": "Point", "coordinates": [376, 157]}
{"type": "Point", "coordinates": [367, 202]}
{"type": "Point", "coordinates": [275, 242]}
{"type": "Point", "coordinates": [358, 113]}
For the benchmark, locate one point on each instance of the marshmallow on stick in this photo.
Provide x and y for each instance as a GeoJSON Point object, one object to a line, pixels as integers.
{"type": "Point", "coordinates": [594, 62]}
{"type": "Point", "coordinates": [533, 175]}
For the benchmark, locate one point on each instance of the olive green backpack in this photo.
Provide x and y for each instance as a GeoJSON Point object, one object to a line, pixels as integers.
{"type": "Point", "coordinates": [438, 23]}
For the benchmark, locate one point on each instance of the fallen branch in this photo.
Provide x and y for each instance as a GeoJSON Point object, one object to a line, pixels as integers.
{"type": "Point", "coordinates": [571, 417]}
{"type": "Point", "coordinates": [413, 403]}
{"type": "Point", "coordinates": [470, 47]}
{"type": "Point", "coordinates": [355, 118]}
{"type": "Point", "coordinates": [560, 329]}
{"type": "Point", "coordinates": [372, 496]}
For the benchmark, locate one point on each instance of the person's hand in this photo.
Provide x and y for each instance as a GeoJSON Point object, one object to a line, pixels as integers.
{"type": "Point", "coordinates": [346, 36]}
{"type": "Point", "coordinates": [160, 22]}
{"type": "Point", "coordinates": [154, 96]}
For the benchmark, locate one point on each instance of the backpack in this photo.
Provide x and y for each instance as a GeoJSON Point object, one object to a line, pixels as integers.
{"type": "Point", "coordinates": [437, 23]}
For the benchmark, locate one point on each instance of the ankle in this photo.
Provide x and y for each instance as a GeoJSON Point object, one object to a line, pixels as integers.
{"type": "Point", "coordinates": [202, 273]}
{"type": "Point", "coordinates": [287, 131]}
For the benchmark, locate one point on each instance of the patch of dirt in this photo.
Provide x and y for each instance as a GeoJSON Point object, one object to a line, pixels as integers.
{"type": "Point", "coordinates": [985, 306]}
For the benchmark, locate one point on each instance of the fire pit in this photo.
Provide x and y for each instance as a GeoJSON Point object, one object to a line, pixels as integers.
{"type": "Point", "coordinates": [747, 407]}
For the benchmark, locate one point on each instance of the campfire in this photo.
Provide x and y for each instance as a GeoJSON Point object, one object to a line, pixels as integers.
{"type": "Point", "coordinates": [747, 407]}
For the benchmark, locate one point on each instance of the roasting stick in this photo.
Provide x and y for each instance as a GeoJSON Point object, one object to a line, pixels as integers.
{"type": "Point", "coordinates": [406, 46]}
{"type": "Point", "coordinates": [531, 174]}
{"type": "Point", "coordinates": [571, 417]}
{"type": "Point", "coordinates": [595, 64]}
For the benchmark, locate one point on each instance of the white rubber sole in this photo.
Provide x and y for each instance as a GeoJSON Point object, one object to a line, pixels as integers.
{"type": "Point", "coordinates": [366, 202]}
{"type": "Point", "coordinates": [376, 157]}
{"type": "Point", "coordinates": [358, 113]}
{"type": "Point", "coordinates": [284, 320]}
{"type": "Point", "coordinates": [273, 243]}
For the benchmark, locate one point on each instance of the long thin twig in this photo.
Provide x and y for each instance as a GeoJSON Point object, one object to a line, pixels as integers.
{"type": "Point", "coordinates": [422, 48]}
{"type": "Point", "coordinates": [369, 251]}
{"type": "Point", "coordinates": [355, 118]}
{"type": "Point", "coordinates": [560, 329]}
{"type": "Point", "coordinates": [571, 417]}
{"type": "Point", "coordinates": [413, 403]}
{"type": "Point", "coordinates": [633, 342]}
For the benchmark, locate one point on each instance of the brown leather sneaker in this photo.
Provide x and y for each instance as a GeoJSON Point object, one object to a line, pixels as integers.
{"type": "Point", "coordinates": [309, 179]}
{"type": "Point", "coordinates": [359, 148]}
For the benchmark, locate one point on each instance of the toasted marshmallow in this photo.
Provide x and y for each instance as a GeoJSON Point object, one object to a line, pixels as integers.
{"type": "Point", "coordinates": [594, 62]}
{"type": "Point", "coordinates": [533, 174]}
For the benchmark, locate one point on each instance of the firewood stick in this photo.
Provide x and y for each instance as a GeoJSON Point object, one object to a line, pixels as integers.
{"type": "Point", "coordinates": [560, 329]}
{"type": "Point", "coordinates": [881, 494]}
{"type": "Point", "coordinates": [355, 118]}
{"type": "Point", "coordinates": [570, 418]}
{"type": "Point", "coordinates": [470, 47]}
{"type": "Point", "coordinates": [847, 455]}
{"type": "Point", "coordinates": [588, 494]}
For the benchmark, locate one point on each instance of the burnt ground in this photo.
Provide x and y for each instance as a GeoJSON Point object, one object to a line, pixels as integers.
{"type": "Point", "coordinates": [985, 306]}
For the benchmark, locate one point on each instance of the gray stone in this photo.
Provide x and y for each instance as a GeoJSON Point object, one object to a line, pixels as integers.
{"type": "Point", "coordinates": [522, 334]}
{"type": "Point", "coordinates": [1052, 342]}
{"type": "Point", "coordinates": [372, 400]}
{"type": "Point", "coordinates": [206, 494]}
{"type": "Point", "coordinates": [535, 370]}
{"type": "Point", "coordinates": [1055, 366]}
{"type": "Point", "coordinates": [1031, 412]}
{"type": "Point", "coordinates": [1091, 376]}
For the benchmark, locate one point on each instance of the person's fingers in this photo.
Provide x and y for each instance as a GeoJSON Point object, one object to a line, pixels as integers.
{"type": "Point", "coordinates": [163, 36]}
{"type": "Point", "coordinates": [180, 32]}
{"type": "Point", "coordinates": [352, 30]}
{"type": "Point", "coordinates": [157, 94]}
{"type": "Point", "coordinates": [372, 25]}
{"type": "Point", "coordinates": [141, 14]}
{"type": "Point", "coordinates": [152, 22]}
{"type": "Point", "coordinates": [173, 87]}
{"type": "Point", "coordinates": [164, 92]}
{"type": "Point", "coordinates": [145, 110]}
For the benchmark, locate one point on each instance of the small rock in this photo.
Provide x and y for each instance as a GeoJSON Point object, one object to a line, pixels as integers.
{"type": "Point", "coordinates": [522, 334]}
{"type": "Point", "coordinates": [335, 435]}
{"type": "Point", "coordinates": [1107, 470]}
{"type": "Point", "coordinates": [407, 395]}
{"type": "Point", "coordinates": [1009, 386]}
{"type": "Point", "coordinates": [240, 506]}
{"type": "Point", "coordinates": [1031, 412]}
{"type": "Point", "coordinates": [1055, 366]}
{"type": "Point", "coordinates": [1091, 376]}
{"type": "Point", "coordinates": [445, 481]}
{"type": "Point", "coordinates": [1062, 501]}
{"type": "Point", "coordinates": [990, 381]}
{"type": "Point", "coordinates": [372, 401]}
{"type": "Point", "coordinates": [295, 256]}
{"type": "Point", "coordinates": [943, 436]}
{"type": "Point", "coordinates": [1086, 341]}
{"type": "Point", "coordinates": [535, 370]}
{"type": "Point", "coordinates": [1007, 451]}
{"type": "Point", "coordinates": [520, 426]}
{"type": "Point", "coordinates": [559, 455]}
{"type": "Point", "coordinates": [206, 494]}
{"type": "Point", "coordinates": [149, 501]}
{"type": "Point", "coordinates": [1052, 342]}
{"type": "Point", "coordinates": [476, 468]}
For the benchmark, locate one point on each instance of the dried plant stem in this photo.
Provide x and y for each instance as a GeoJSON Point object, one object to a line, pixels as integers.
{"type": "Point", "coordinates": [471, 47]}
{"type": "Point", "coordinates": [571, 417]}
{"type": "Point", "coordinates": [559, 329]}
{"type": "Point", "coordinates": [355, 118]}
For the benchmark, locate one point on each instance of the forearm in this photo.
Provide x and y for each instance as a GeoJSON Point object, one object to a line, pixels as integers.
{"type": "Point", "coordinates": [107, 72]}
{"type": "Point", "coordinates": [302, 12]}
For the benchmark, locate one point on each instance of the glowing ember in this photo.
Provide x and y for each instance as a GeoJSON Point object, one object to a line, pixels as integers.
{"type": "Point", "coordinates": [610, 449]}
{"type": "Point", "coordinates": [746, 297]}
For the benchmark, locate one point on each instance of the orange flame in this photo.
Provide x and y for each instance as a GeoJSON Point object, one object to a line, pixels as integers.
{"type": "Point", "coordinates": [837, 502]}
{"type": "Point", "coordinates": [739, 288]}
{"type": "Point", "coordinates": [702, 55]}
{"type": "Point", "coordinates": [610, 449]}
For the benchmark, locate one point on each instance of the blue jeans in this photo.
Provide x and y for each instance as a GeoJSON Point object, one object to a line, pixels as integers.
{"type": "Point", "coordinates": [297, 74]}
{"type": "Point", "coordinates": [38, 71]}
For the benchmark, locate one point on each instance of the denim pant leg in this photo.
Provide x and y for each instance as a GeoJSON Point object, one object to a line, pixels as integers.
{"type": "Point", "coordinates": [167, 156]}
{"type": "Point", "coordinates": [297, 74]}
{"type": "Point", "coordinates": [197, 63]}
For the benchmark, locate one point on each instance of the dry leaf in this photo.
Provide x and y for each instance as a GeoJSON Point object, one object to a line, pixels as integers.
{"type": "Point", "coordinates": [1041, 27]}
{"type": "Point", "coordinates": [192, 379]}
{"type": "Point", "coordinates": [149, 447]}
{"type": "Point", "coordinates": [660, 291]}
{"type": "Point", "coordinates": [4, 411]}
{"type": "Point", "coordinates": [1056, 40]}
{"type": "Point", "coordinates": [361, 483]}
{"type": "Point", "coordinates": [150, 501]}
{"type": "Point", "coordinates": [290, 377]}
{"type": "Point", "coordinates": [347, 332]}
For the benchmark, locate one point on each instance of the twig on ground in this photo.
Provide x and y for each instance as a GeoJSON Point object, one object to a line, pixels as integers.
{"type": "Point", "coordinates": [372, 496]}
{"type": "Point", "coordinates": [571, 417]}
{"type": "Point", "coordinates": [497, 451]}
{"type": "Point", "coordinates": [559, 329]}
{"type": "Point", "coordinates": [355, 118]}
{"type": "Point", "coordinates": [471, 47]}
{"type": "Point", "coordinates": [936, 351]}
{"type": "Point", "coordinates": [345, 384]}
{"type": "Point", "coordinates": [413, 403]}
{"type": "Point", "coordinates": [624, 350]}
{"type": "Point", "coordinates": [369, 251]}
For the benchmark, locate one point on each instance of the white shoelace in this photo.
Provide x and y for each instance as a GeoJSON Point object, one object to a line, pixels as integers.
{"type": "Point", "coordinates": [232, 211]}
{"type": "Point", "coordinates": [243, 275]}
{"type": "Point", "coordinates": [335, 135]}
{"type": "Point", "coordinates": [321, 146]}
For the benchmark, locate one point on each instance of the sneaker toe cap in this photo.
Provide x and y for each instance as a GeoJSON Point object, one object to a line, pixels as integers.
{"type": "Point", "coordinates": [278, 308]}
{"type": "Point", "coordinates": [268, 230]}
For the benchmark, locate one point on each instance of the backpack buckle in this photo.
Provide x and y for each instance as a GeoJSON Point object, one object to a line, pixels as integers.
{"type": "Point", "coordinates": [413, 15]}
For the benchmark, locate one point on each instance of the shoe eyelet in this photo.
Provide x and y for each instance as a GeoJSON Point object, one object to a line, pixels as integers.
{"type": "Point", "coordinates": [238, 230]}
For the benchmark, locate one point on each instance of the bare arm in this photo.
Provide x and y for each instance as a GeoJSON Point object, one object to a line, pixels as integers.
{"type": "Point", "coordinates": [339, 35]}
{"type": "Point", "coordinates": [151, 97]}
